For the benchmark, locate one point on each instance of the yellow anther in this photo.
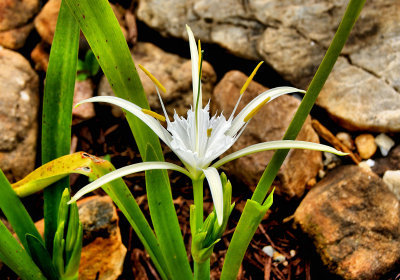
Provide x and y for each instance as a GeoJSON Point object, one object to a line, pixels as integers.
{"type": "Point", "coordinates": [256, 109]}
{"type": "Point", "coordinates": [154, 115]}
{"type": "Point", "coordinates": [209, 132]}
{"type": "Point", "coordinates": [158, 84]}
{"type": "Point", "coordinates": [246, 84]}
{"type": "Point", "coordinates": [199, 48]}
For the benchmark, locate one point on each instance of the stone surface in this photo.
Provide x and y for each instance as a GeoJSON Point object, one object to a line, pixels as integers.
{"type": "Point", "coordinates": [268, 124]}
{"type": "Point", "coordinates": [83, 90]}
{"type": "Point", "coordinates": [174, 73]}
{"type": "Point", "coordinates": [40, 55]}
{"type": "Point", "coordinates": [385, 143]}
{"type": "Point", "coordinates": [366, 146]}
{"type": "Point", "coordinates": [14, 18]}
{"type": "Point", "coordinates": [392, 180]}
{"type": "Point", "coordinates": [103, 253]}
{"type": "Point", "coordinates": [19, 103]}
{"type": "Point", "coordinates": [354, 222]}
{"type": "Point", "coordinates": [391, 162]}
{"type": "Point", "coordinates": [346, 139]}
{"type": "Point", "coordinates": [292, 37]}
{"type": "Point", "coordinates": [46, 20]}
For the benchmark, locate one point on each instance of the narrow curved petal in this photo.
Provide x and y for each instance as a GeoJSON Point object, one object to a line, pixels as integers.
{"type": "Point", "coordinates": [137, 167]}
{"type": "Point", "coordinates": [277, 145]}
{"type": "Point", "coordinates": [238, 121]}
{"type": "Point", "coordinates": [195, 66]}
{"type": "Point", "coordinates": [214, 181]}
{"type": "Point", "coordinates": [137, 111]}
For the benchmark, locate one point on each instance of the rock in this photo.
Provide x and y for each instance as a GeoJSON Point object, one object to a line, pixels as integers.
{"type": "Point", "coordinates": [292, 37]}
{"type": "Point", "coordinates": [366, 146]}
{"type": "Point", "coordinates": [268, 124]}
{"type": "Point", "coordinates": [46, 20]}
{"type": "Point", "coordinates": [15, 38]}
{"type": "Point", "coordinates": [40, 55]}
{"type": "Point", "coordinates": [14, 26]}
{"type": "Point", "coordinates": [354, 222]}
{"type": "Point", "coordinates": [83, 90]}
{"type": "Point", "coordinates": [173, 72]}
{"type": "Point", "coordinates": [103, 253]}
{"type": "Point", "coordinates": [346, 139]}
{"type": "Point", "coordinates": [19, 103]}
{"type": "Point", "coordinates": [385, 143]}
{"type": "Point", "coordinates": [391, 162]}
{"type": "Point", "coordinates": [392, 180]}
{"type": "Point", "coordinates": [106, 90]}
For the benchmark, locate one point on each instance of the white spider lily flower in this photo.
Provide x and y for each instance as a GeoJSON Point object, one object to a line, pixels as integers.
{"type": "Point", "coordinates": [199, 139]}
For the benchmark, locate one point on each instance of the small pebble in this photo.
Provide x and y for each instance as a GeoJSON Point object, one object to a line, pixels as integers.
{"type": "Point", "coordinates": [392, 180]}
{"type": "Point", "coordinates": [364, 165]}
{"type": "Point", "coordinates": [366, 146]}
{"type": "Point", "coordinates": [346, 139]}
{"type": "Point", "coordinates": [278, 257]}
{"type": "Point", "coordinates": [331, 160]}
{"type": "Point", "coordinates": [321, 173]}
{"type": "Point", "coordinates": [292, 253]}
{"type": "Point", "coordinates": [268, 250]}
{"type": "Point", "coordinates": [385, 143]}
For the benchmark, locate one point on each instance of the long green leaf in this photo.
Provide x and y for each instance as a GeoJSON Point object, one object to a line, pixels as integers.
{"type": "Point", "coordinates": [16, 258]}
{"type": "Point", "coordinates": [57, 109]}
{"type": "Point", "coordinates": [15, 212]}
{"type": "Point", "coordinates": [94, 167]}
{"type": "Point", "coordinates": [104, 35]}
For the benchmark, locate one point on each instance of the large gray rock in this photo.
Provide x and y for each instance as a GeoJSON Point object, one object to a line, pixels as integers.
{"type": "Point", "coordinates": [19, 103]}
{"type": "Point", "coordinates": [292, 36]}
{"type": "Point", "coordinates": [354, 221]}
{"type": "Point", "coordinates": [14, 25]}
{"type": "Point", "coordinates": [269, 124]}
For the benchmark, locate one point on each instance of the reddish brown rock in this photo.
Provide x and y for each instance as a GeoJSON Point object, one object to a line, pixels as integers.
{"type": "Point", "coordinates": [19, 103]}
{"type": "Point", "coordinates": [268, 124]}
{"type": "Point", "coordinates": [40, 55]}
{"type": "Point", "coordinates": [14, 17]}
{"type": "Point", "coordinates": [354, 222]}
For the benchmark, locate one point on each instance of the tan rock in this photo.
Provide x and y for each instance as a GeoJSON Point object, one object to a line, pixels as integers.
{"type": "Point", "coordinates": [173, 72]}
{"type": "Point", "coordinates": [366, 146]}
{"type": "Point", "coordinates": [268, 124]}
{"type": "Point", "coordinates": [19, 103]}
{"type": "Point", "coordinates": [346, 139]}
{"type": "Point", "coordinates": [83, 90]}
{"type": "Point", "coordinates": [40, 55]}
{"type": "Point", "coordinates": [354, 222]}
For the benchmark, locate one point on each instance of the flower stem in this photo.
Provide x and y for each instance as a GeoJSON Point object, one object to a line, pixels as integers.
{"type": "Point", "coordinates": [198, 202]}
{"type": "Point", "coordinates": [202, 270]}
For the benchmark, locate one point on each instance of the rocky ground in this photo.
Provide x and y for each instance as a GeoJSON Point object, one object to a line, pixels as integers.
{"type": "Point", "coordinates": [333, 218]}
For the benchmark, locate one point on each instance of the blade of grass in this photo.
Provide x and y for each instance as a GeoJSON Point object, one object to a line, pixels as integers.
{"type": "Point", "coordinates": [15, 212]}
{"type": "Point", "coordinates": [16, 258]}
{"type": "Point", "coordinates": [237, 247]}
{"type": "Point", "coordinates": [57, 110]}
{"type": "Point", "coordinates": [104, 35]}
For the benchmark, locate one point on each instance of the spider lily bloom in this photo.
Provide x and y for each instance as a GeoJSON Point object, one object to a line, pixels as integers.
{"type": "Point", "coordinates": [199, 139]}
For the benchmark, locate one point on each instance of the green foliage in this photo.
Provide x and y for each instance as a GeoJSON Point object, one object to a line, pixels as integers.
{"type": "Point", "coordinates": [88, 67]}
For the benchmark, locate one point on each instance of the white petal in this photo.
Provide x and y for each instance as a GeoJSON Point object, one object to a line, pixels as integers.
{"type": "Point", "coordinates": [214, 181]}
{"type": "Point", "coordinates": [238, 121]}
{"type": "Point", "coordinates": [137, 167]}
{"type": "Point", "coordinates": [194, 54]}
{"type": "Point", "coordinates": [276, 145]}
{"type": "Point", "coordinates": [137, 111]}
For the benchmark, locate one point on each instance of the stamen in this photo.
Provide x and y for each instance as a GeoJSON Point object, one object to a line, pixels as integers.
{"type": "Point", "coordinates": [246, 84]}
{"type": "Point", "coordinates": [158, 84]}
{"type": "Point", "coordinates": [199, 47]}
{"type": "Point", "coordinates": [209, 132]}
{"type": "Point", "coordinates": [154, 115]}
{"type": "Point", "coordinates": [255, 110]}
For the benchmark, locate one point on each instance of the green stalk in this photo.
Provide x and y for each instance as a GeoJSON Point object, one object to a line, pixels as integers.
{"type": "Point", "coordinates": [16, 258]}
{"type": "Point", "coordinates": [201, 270]}
{"type": "Point", "coordinates": [239, 241]}
{"type": "Point", "coordinates": [57, 110]}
